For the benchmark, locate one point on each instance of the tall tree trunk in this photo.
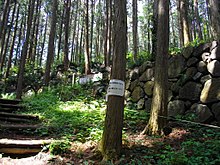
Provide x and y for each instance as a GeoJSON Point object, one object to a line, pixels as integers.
{"type": "Point", "coordinates": [60, 34]}
{"type": "Point", "coordinates": [13, 43]}
{"type": "Point", "coordinates": [112, 135]}
{"type": "Point", "coordinates": [74, 32]}
{"type": "Point", "coordinates": [215, 18]}
{"type": "Point", "coordinates": [43, 43]}
{"type": "Point", "coordinates": [92, 27]}
{"type": "Point", "coordinates": [51, 47]}
{"type": "Point", "coordinates": [3, 29]}
{"type": "Point", "coordinates": [134, 29]}
{"type": "Point", "coordinates": [184, 21]}
{"type": "Point", "coordinates": [86, 44]}
{"type": "Point", "coordinates": [107, 59]}
{"type": "Point", "coordinates": [36, 36]}
{"type": "Point", "coordinates": [25, 50]}
{"type": "Point", "coordinates": [66, 41]}
{"type": "Point", "coordinates": [154, 29]}
{"type": "Point", "coordinates": [197, 20]}
{"type": "Point", "coordinates": [22, 26]}
{"type": "Point", "coordinates": [160, 92]}
{"type": "Point", "coordinates": [5, 50]}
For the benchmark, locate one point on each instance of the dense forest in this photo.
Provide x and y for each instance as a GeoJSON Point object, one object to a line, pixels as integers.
{"type": "Point", "coordinates": [51, 51]}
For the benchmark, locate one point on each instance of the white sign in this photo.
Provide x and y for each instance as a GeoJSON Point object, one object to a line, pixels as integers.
{"type": "Point", "coordinates": [116, 88]}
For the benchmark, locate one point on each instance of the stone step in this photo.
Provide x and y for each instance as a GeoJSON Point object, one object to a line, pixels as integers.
{"type": "Point", "coordinates": [19, 127]}
{"type": "Point", "coordinates": [13, 106]}
{"type": "Point", "coordinates": [20, 116]}
{"type": "Point", "coordinates": [8, 110]}
{"type": "Point", "coordinates": [7, 101]}
{"type": "Point", "coordinates": [16, 120]}
{"type": "Point", "coordinates": [11, 146]}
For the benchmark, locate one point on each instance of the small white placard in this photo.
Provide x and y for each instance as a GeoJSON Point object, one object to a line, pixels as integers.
{"type": "Point", "coordinates": [116, 88]}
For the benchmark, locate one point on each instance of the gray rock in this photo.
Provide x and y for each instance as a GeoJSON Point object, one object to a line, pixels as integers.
{"type": "Point", "coordinates": [190, 73]}
{"type": "Point", "coordinates": [215, 53]}
{"type": "Point", "coordinates": [211, 91]}
{"type": "Point", "coordinates": [134, 74]}
{"type": "Point", "coordinates": [187, 51]}
{"type": "Point", "coordinates": [148, 88]}
{"type": "Point", "coordinates": [192, 61]}
{"type": "Point", "coordinates": [137, 94]}
{"type": "Point", "coordinates": [144, 66]}
{"type": "Point", "coordinates": [201, 66]}
{"type": "Point", "coordinates": [127, 84]}
{"type": "Point", "coordinates": [133, 84]}
{"type": "Point", "coordinates": [140, 104]}
{"type": "Point", "coordinates": [216, 111]}
{"type": "Point", "coordinates": [148, 103]}
{"type": "Point", "coordinates": [214, 45]}
{"type": "Point", "coordinates": [175, 88]}
{"type": "Point", "coordinates": [197, 76]}
{"type": "Point", "coordinates": [176, 66]}
{"type": "Point", "coordinates": [205, 47]}
{"type": "Point", "coordinates": [190, 91]}
{"type": "Point", "coordinates": [203, 113]}
{"type": "Point", "coordinates": [205, 78]}
{"type": "Point", "coordinates": [127, 94]}
{"type": "Point", "coordinates": [214, 68]}
{"type": "Point", "coordinates": [147, 75]}
{"type": "Point", "coordinates": [176, 107]}
{"type": "Point", "coordinates": [206, 57]}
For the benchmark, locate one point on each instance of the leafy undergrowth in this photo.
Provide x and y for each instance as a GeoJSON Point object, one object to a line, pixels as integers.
{"type": "Point", "coordinates": [73, 115]}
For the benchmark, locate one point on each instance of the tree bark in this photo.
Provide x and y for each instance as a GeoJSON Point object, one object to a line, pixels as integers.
{"type": "Point", "coordinates": [184, 21]}
{"type": "Point", "coordinates": [135, 30]}
{"type": "Point", "coordinates": [111, 144]}
{"type": "Point", "coordinates": [215, 18]}
{"type": "Point", "coordinates": [66, 41]}
{"type": "Point", "coordinates": [12, 43]}
{"type": "Point", "coordinates": [160, 91]}
{"type": "Point", "coordinates": [50, 54]}
{"type": "Point", "coordinates": [86, 43]}
{"type": "Point", "coordinates": [25, 50]}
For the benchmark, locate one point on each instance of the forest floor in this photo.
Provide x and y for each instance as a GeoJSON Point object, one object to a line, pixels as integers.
{"type": "Point", "coordinates": [137, 149]}
{"type": "Point", "coordinates": [75, 118]}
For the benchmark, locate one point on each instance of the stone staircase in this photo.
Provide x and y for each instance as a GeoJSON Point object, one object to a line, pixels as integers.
{"type": "Point", "coordinates": [17, 130]}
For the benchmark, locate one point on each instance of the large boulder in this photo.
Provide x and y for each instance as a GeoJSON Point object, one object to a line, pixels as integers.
{"type": "Point", "coordinates": [176, 66]}
{"type": "Point", "coordinates": [140, 104]}
{"type": "Point", "coordinates": [215, 53]}
{"type": "Point", "coordinates": [206, 57]}
{"type": "Point", "coordinates": [137, 94]}
{"type": "Point", "coordinates": [133, 84]}
{"type": "Point", "coordinates": [203, 113]}
{"type": "Point", "coordinates": [176, 107]}
{"type": "Point", "coordinates": [187, 51]}
{"type": "Point", "coordinates": [148, 88]}
{"type": "Point", "coordinates": [144, 66]}
{"type": "Point", "coordinates": [211, 91]}
{"type": "Point", "coordinates": [201, 67]}
{"type": "Point", "coordinates": [147, 75]}
{"type": "Point", "coordinates": [190, 91]}
{"type": "Point", "coordinates": [205, 78]}
{"type": "Point", "coordinates": [205, 47]}
{"type": "Point", "coordinates": [134, 74]}
{"type": "Point", "coordinates": [192, 61]}
{"type": "Point", "coordinates": [214, 68]}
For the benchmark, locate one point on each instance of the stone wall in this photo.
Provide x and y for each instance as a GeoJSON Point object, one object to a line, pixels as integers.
{"type": "Point", "coordinates": [194, 83]}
